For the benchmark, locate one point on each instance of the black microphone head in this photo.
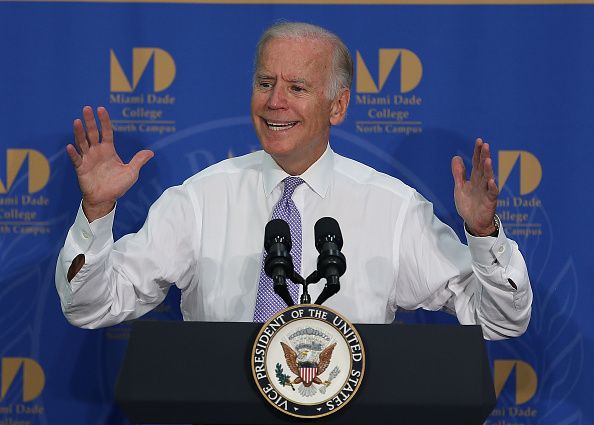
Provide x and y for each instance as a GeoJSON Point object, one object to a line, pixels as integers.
{"type": "Point", "coordinates": [327, 230]}
{"type": "Point", "coordinates": [277, 230]}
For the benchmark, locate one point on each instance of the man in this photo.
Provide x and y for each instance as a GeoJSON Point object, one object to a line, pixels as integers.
{"type": "Point", "coordinates": [206, 235]}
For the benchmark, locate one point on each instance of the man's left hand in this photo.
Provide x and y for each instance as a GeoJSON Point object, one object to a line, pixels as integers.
{"type": "Point", "coordinates": [476, 199]}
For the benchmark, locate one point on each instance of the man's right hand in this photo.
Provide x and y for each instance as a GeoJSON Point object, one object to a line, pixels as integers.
{"type": "Point", "coordinates": [102, 176]}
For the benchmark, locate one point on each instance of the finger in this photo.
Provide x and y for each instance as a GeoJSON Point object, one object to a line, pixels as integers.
{"type": "Point", "coordinates": [80, 138]}
{"type": "Point", "coordinates": [477, 153]}
{"type": "Point", "coordinates": [458, 171]}
{"type": "Point", "coordinates": [488, 168]}
{"type": "Point", "coordinates": [74, 156]}
{"type": "Point", "coordinates": [483, 180]}
{"type": "Point", "coordinates": [485, 152]}
{"type": "Point", "coordinates": [493, 190]}
{"type": "Point", "coordinates": [141, 158]}
{"type": "Point", "coordinates": [91, 125]}
{"type": "Point", "coordinates": [483, 155]}
{"type": "Point", "coordinates": [106, 130]}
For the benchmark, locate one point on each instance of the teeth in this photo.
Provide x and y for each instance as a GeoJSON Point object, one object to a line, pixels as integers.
{"type": "Point", "coordinates": [278, 126]}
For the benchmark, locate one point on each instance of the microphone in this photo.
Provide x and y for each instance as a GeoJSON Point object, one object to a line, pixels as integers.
{"type": "Point", "coordinates": [279, 263]}
{"type": "Point", "coordinates": [331, 262]}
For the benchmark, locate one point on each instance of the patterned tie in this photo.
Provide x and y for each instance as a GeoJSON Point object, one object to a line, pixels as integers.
{"type": "Point", "coordinates": [268, 302]}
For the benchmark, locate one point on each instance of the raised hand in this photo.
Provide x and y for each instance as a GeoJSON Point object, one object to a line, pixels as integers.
{"type": "Point", "coordinates": [476, 199]}
{"type": "Point", "coordinates": [102, 176]}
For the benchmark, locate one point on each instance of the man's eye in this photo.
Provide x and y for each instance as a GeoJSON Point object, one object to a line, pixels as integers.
{"type": "Point", "coordinates": [297, 89]}
{"type": "Point", "coordinates": [264, 85]}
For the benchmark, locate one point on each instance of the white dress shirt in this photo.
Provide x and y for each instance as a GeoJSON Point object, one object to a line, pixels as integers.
{"type": "Point", "coordinates": [206, 236]}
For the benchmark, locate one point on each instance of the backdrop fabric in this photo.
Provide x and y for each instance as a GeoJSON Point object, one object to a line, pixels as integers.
{"type": "Point", "coordinates": [176, 78]}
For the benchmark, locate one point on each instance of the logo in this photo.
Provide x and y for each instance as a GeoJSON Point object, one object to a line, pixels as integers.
{"type": "Point", "coordinates": [411, 71]}
{"type": "Point", "coordinates": [520, 213]}
{"type": "Point", "coordinates": [530, 169]}
{"type": "Point", "coordinates": [163, 69]}
{"type": "Point", "coordinates": [137, 108]}
{"type": "Point", "coordinates": [384, 108]}
{"type": "Point", "coordinates": [21, 213]}
{"type": "Point", "coordinates": [308, 361]}
{"type": "Point", "coordinates": [525, 377]}
{"type": "Point", "coordinates": [308, 356]}
{"type": "Point", "coordinates": [33, 377]}
{"type": "Point", "coordinates": [38, 169]}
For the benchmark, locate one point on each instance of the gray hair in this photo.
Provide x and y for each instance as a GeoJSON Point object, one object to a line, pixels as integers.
{"type": "Point", "coordinates": [341, 76]}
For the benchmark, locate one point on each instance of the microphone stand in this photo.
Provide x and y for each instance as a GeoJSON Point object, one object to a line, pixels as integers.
{"type": "Point", "coordinates": [335, 263]}
{"type": "Point", "coordinates": [298, 279]}
{"type": "Point", "coordinates": [332, 286]}
{"type": "Point", "coordinates": [281, 289]}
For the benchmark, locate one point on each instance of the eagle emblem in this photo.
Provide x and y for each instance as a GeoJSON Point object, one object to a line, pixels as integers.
{"type": "Point", "coordinates": [308, 354]}
{"type": "Point", "coordinates": [311, 357]}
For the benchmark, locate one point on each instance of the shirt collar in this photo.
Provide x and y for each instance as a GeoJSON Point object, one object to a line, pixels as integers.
{"type": "Point", "coordinates": [317, 176]}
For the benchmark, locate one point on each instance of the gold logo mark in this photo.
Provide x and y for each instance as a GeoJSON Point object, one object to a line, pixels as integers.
{"type": "Point", "coordinates": [163, 69]}
{"type": "Point", "coordinates": [38, 167]}
{"type": "Point", "coordinates": [33, 376]}
{"type": "Point", "coordinates": [526, 380]}
{"type": "Point", "coordinates": [411, 71]}
{"type": "Point", "coordinates": [530, 169]}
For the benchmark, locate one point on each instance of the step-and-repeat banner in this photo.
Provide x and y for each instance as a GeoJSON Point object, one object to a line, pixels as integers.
{"type": "Point", "coordinates": [176, 78]}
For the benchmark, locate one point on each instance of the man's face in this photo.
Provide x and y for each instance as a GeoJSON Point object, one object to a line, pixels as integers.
{"type": "Point", "coordinates": [290, 110]}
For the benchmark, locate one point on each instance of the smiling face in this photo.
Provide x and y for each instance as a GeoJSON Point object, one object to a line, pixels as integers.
{"type": "Point", "coordinates": [290, 110]}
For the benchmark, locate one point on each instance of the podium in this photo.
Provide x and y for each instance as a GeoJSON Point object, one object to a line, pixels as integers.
{"type": "Point", "coordinates": [199, 372]}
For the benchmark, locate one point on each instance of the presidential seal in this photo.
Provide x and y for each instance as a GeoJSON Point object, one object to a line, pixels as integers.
{"type": "Point", "coordinates": [308, 361]}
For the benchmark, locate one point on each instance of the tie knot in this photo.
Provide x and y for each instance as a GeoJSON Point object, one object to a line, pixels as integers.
{"type": "Point", "coordinates": [290, 184]}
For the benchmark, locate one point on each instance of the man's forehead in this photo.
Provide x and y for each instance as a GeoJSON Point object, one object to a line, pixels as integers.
{"type": "Point", "coordinates": [294, 58]}
{"type": "Point", "coordinates": [297, 50]}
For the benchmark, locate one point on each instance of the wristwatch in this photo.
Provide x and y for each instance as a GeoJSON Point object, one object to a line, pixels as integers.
{"type": "Point", "coordinates": [495, 233]}
{"type": "Point", "coordinates": [497, 224]}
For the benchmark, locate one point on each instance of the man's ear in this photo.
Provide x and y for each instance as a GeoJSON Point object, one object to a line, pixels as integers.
{"type": "Point", "coordinates": [339, 107]}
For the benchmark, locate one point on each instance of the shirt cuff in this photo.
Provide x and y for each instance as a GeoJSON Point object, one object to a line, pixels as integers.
{"type": "Point", "coordinates": [91, 238]}
{"type": "Point", "coordinates": [489, 250]}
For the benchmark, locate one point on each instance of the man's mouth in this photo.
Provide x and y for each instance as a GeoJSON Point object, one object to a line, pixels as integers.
{"type": "Point", "coordinates": [280, 126]}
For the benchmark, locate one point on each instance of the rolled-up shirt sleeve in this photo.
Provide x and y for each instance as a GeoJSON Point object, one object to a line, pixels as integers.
{"type": "Point", "coordinates": [505, 295]}
{"type": "Point", "coordinates": [484, 283]}
{"type": "Point", "coordinates": [125, 279]}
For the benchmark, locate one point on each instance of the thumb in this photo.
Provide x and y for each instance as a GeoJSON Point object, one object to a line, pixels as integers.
{"type": "Point", "coordinates": [458, 171]}
{"type": "Point", "coordinates": [141, 158]}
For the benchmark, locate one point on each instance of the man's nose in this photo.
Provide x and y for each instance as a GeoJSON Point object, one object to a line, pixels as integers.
{"type": "Point", "coordinates": [277, 98]}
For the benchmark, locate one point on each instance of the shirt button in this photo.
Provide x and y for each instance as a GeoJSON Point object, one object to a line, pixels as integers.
{"type": "Point", "coordinates": [501, 249]}
{"type": "Point", "coordinates": [85, 235]}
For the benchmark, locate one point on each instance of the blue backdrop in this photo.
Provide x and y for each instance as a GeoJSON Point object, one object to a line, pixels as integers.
{"type": "Point", "coordinates": [176, 78]}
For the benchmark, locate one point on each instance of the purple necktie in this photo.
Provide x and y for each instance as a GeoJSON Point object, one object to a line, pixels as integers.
{"type": "Point", "coordinates": [267, 302]}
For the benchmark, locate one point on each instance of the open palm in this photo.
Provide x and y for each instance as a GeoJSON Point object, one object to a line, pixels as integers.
{"type": "Point", "coordinates": [102, 176]}
{"type": "Point", "coordinates": [476, 198]}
